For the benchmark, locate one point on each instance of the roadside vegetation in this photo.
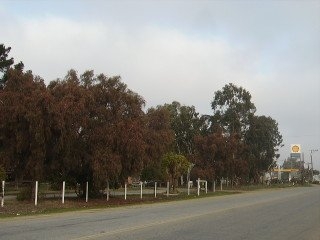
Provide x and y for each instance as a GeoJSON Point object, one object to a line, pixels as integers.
{"type": "Point", "coordinates": [92, 128]}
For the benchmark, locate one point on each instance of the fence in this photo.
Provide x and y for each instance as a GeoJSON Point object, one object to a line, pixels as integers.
{"type": "Point", "coordinates": [43, 191]}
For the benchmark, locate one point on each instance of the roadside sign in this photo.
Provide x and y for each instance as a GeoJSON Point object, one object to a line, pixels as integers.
{"type": "Point", "coordinates": [295, 148]}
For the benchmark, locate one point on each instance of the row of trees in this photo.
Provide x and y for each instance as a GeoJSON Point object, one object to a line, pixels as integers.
{"type": "Point", "coordinates": [94, 128]}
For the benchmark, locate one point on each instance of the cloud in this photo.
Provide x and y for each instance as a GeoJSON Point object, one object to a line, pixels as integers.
{"type": "Point", "coordinates": [152, 61]}
{"type": "Point", "coordinates": [184, 51]}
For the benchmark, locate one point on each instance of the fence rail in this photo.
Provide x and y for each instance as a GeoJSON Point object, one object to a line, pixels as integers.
{"type": "Point", "coordinates": [42, 191]}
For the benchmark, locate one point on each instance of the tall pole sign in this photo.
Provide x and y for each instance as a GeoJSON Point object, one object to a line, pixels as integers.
{"type": "Point", "coordinates": [295, 151]}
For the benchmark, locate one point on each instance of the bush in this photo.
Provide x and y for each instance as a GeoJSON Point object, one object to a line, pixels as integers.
{"type": "Point", "coordinates": [24, 194]}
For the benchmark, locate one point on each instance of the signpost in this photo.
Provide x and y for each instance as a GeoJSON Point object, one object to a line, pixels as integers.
{"type": "Point", "coordinates": [295, 151]}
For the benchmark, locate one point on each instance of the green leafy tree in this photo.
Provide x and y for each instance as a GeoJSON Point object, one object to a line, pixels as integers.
{"type": "Point", "coordinates": [5, 63]}
{"type": "Point", "coordinates": [186, 124]}
{"type": "Point", "coordinates": [263, 140]}
{"type": "Point", "coordinates": [232, 109]}
{"type": "Point", "coordinates": [173, 166]}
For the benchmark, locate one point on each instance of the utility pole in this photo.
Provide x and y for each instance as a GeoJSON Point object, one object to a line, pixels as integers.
{"type": "Point", "coordinates": [312, 151]}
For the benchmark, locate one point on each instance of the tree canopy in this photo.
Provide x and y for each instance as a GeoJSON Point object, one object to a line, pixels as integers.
{"type": "Point", "coordinates": [5, 63]}
{"type": "Point", "coordinates": [173, 166]}
{"type": "Point", "coordinates": [232, 108]}
{"type": "Point", "coordinates": [93, 128]}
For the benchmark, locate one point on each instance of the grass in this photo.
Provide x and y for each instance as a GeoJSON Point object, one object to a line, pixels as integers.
{"type": "Point", "coordinates": [253, 187]}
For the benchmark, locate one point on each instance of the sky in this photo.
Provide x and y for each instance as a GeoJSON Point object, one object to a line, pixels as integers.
{"type": "Point", "coordinates": [183, 51]}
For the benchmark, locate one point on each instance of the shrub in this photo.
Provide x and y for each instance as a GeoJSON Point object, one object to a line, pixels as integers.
{"type": "Point", "coordinates": [24, 194]}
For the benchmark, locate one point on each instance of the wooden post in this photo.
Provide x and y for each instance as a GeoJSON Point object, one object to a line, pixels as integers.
{"type": "Point", "coordinates": [155, 190]}
{"type": "Point", "coordinates": [168, 185]}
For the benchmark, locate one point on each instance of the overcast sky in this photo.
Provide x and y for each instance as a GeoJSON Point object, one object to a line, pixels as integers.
{"type": "Point", "coordinates": [183, 51]}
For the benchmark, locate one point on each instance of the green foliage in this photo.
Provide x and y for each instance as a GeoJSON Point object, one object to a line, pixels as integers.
{"type": "Point", "coordinates": [151, 173]}
{"type": "Point", "coordinates": [173, 166]}
{"type": "Point", "coordinates": [258, 136]}
{"type": "Point", "coordinates": [5, 64]}
{"type": "Point", "coordinates": [25, 193]}
{"type": "Point", "coordinates": [264, 140]}
{"type": "Point", "coordinates": [186, 124]}
{"type": "Point", "coordinates": [232, 109]}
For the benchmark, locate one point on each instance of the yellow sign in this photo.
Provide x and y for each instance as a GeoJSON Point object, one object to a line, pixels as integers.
{"type": "Point", "coordinates": [295, 148]}
{"type": "Point", "coordinates": [286, 170]}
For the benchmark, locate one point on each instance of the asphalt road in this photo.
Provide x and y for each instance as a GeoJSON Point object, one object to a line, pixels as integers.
{"type": "Point", "coordinates": [292, 213]}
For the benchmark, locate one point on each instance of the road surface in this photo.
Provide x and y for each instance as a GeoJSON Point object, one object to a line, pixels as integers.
{"type": "Point", "coordinates": [292, 213]}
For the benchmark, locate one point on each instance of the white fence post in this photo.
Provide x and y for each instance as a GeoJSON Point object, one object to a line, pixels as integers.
{"type": "Point", "coordinates": [125, 191]}
{"type": "Point", "coordinates": [221, 184]}
{"type": "Point", "coordinates": [108, 190]}
{"type": "Point", "coordinates": [168, 185]}
{"type": "Point", "coordinates": [188, 188]}
{"type": "Point", "coordinates": [155, 189]}
{"type": "Point", "coordinates": [87, 191]}
{"type": "Point", "coordinates": [214, 186]}
{"type": "Point", "coordinates": [63, 190]}
{"type": "Point", "coordinates": [206, 184]}
{"type": "Point", "coordinates": [198, 186]}
{"type": "Point", "coordinates": [2, 199]}
{"type": "Point", "coordinates": [140, 190]}
{"type": "Point", "coordinates": [36, 194]}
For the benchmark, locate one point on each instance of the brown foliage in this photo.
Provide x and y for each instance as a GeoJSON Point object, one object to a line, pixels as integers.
{"type": "Point", "coordinates": [24, 124]}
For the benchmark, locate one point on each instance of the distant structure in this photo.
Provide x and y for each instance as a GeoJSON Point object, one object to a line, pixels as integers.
{"type": "Point", "coordinates": [294, 160]}
{"type": "Point", "coordinates": [296, 151]}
